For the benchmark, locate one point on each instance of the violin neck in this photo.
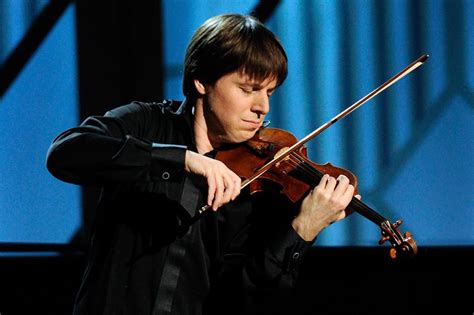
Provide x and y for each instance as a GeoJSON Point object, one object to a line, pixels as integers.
{"type": "Point", "coordinates": [310, 175]}
{"type": "Point", "coordinates": [367, 212]}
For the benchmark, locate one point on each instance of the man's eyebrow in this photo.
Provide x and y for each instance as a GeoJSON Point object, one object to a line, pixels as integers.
{"type": "Point", "coordinates": [259, 85]}
{"type": "Point", "coordinates": [253, 83]}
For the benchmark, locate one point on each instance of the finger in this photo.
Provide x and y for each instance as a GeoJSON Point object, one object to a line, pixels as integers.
{"type": "Point", "coordinates": [233, 186]}
{"type": "Point", "coordinates": [358, 197]}
{"type": "Point", "coordinates": [320, 189]}
{"type": "Point", "coordinates": [345, 199]}
{"type": "Point", "coordinates": [342, 184]}
{"type": "Point", "coordinates": [211, 189]}
{"type": "Point", "coordinates": [220, 187]}
{"type": "Point", "coordinates": [237, 185]}
{"type": "Point", "coordinates": [324, 180]}
{"type": "Point", "coordinates": [347, 196]}
{"type": "Point", "coordinates": [228, 190]}
{"type": "Point", "coordinates": [342, 215]}
{"type": "Point", "coordinates": [331, 184]}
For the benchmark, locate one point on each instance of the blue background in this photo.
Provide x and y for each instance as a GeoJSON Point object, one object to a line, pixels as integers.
{"type": "Point", "coordinates": [411, 147]}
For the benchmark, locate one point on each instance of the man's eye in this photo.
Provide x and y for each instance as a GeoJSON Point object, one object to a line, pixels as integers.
{"type": "Point", "coordinates": [246, 90]}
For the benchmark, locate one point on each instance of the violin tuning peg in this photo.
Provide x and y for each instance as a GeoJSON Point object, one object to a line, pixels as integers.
{"type": "Point", "coordinates": [393, 253]}
{"type": "Point", "coordinates": [383, 239]}
{"type": "Point", "coordinates": [397, 223]}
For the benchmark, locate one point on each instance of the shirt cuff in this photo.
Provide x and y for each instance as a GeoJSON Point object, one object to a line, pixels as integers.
{"type": "Point", "coordinates": [290, 247]}
{"type": "Point", "coordinates": [167, 162]}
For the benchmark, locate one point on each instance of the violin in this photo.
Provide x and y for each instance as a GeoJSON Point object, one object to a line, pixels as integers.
{"type": "Point", "coordinates": [275, 156]}
{"type": "Point", "coordinates": [295, 175]}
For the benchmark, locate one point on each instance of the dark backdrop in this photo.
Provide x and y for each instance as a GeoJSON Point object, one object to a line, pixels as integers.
{"type": "Point", "coordinates": [349, 280]}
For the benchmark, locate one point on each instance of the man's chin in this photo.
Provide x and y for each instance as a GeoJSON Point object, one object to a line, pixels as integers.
{"type": "Point", "coordinates": [245, 136]}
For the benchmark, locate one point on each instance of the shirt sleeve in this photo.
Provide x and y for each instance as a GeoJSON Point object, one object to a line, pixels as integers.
{"type": "Point", "coordinates": [283, 256]}
{"type": "Point", "coordinates": [116, 147]}
{"type": "Point", "coordinates": [265, 252]}
{"type": "Point", "coordinates": [276, 249]}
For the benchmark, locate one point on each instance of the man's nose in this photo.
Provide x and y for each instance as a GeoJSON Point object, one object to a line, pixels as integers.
{"type": "Point", "coordinates": [262, 104]}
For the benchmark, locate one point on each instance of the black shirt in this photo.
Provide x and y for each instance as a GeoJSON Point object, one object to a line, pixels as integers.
{"type": "Point", "coordinates": [144, 258]}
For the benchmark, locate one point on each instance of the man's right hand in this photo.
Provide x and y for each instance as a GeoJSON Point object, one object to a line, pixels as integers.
{"type": "Point", "coordinates": [223, 184]}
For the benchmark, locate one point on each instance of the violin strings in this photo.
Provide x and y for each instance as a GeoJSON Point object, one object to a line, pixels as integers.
{"type": "Point", "coordinates": [298, 163]}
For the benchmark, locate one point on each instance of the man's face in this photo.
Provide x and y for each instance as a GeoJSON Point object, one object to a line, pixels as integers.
{"type": "Point", "coordinates": [235, 107]}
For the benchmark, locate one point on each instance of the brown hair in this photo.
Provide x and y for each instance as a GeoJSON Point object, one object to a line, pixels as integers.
{"type": "Point", "coordinates": [231, 42]}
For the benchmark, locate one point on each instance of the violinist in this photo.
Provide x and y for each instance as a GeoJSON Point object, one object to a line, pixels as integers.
{"type": "Point", "coordinates": [155, 165]}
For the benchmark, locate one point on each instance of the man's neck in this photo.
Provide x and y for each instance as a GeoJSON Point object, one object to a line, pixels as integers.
{"type": "Point", "coordinates": [201, 131]}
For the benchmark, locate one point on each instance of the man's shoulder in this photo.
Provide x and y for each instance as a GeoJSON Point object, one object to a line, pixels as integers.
{"type": "Point", "coordinates": [165, 106]}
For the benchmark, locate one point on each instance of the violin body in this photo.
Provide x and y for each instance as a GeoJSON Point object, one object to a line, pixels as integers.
{"type": "Point", "coordinates": [245, 159]}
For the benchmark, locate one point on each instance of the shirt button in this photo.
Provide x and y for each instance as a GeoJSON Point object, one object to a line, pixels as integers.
{"type": "Point", "coordinates": [296, 255]}
{"type": "Point", "coordinates": [165, 175]}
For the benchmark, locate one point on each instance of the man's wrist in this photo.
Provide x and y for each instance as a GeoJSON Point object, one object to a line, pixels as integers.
{"type": "Point", "coordinates": [302, 226]}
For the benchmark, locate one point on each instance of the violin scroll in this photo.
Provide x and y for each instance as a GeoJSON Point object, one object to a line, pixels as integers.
{"type": "Point", "coordinates": [402, 245]}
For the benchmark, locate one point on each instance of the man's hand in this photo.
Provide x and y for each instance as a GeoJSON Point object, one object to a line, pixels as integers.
{"type": "Point", "coordinates": [223, 184]}
{"type": "Point", "coordinates": [324, 205]}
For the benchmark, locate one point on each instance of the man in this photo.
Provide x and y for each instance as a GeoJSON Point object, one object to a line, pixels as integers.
{"type": "Point", "coordinates": [154, 162]}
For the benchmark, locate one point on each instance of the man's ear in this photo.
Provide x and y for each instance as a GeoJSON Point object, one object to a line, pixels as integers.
{"type": "Point", "coordinates": [200, 87]}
